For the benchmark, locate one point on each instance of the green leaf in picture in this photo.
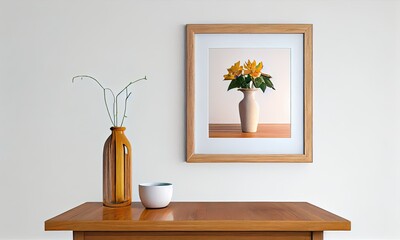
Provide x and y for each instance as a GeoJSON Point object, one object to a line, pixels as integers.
{"type": "Point", "coordinates": [269, 83]}
{"type": "Point", "coordinates": [242, 82]}
{"type": "Point", "coordinates": [263, 86]}
{"type": "Point", "coordinates": [248, 79]}
{"type": "Point", "coordinates": [258, 81]}
{"type": "Point", "coordinates": [234, 84]}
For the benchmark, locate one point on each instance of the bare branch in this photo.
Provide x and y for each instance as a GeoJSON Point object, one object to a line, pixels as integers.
{"type": "Point", "coordinates": [131, 84]}
{"type": "Point", "coordinates": [126, 100]}
{"type": "Point", "coordinates": [104, 94]}
{"type": "Point", "coordinates": [114, 118]}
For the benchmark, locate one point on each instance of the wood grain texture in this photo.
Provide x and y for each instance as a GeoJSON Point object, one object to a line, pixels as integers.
{"type": "Point", "coordinates": [235, 131]}
{"type": "Point", "coordinates": [317, 236]}
{"type": "Point", "coordinates": [248, 158]}
{"type": "Point", "coordinates": [78, 235]}
{"type": "Point", "coordinates": [191, 31]}
{"type": "Point", "coordinates": [200, 216]}
{"type": "Point", "coordinates": [247, 28]}
{"type": "Point", "coordinates": [197, 235]}
{"type": "Point", "coordinates": [190, 91]}
{"type": "Point", "coordinates": [308, 96]}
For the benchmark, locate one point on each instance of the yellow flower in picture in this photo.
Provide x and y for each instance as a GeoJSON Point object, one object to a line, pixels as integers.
{"type": "Point", "coordinates": [249, 76]}
{"type": "Point", "coordinates": [236, 69]}
{"type": "Point", "coordinates": [229, 77]}
{"type": "Point", "coordinates": [253, 69]}
{"type": "Point", "coordinates": [249, 66]}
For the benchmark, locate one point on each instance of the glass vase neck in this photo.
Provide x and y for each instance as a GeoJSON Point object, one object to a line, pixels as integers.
{"type": "Point", "coordinates": [117, 128]}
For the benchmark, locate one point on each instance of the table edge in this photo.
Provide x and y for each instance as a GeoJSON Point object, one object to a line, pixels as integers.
{"type": "Point", "coordinates": [54, 224]}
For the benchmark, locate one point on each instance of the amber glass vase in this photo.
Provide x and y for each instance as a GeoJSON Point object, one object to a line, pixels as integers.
{"type": "Point", "coordinates": [117, 178]}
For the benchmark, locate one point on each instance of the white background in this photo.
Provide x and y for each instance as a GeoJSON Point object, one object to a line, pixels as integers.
{"type": "Point", "coordinates": [53, 131]}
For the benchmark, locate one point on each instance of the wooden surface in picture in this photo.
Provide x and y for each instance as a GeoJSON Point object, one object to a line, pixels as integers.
{"type": "Point", "coordinates": [235, 131]}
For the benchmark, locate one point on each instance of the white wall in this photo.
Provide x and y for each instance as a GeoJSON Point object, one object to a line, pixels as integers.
{"type": "Point", "coordinates": [52, 131]}
{"type": "Point", "coordinates": [397, 117]}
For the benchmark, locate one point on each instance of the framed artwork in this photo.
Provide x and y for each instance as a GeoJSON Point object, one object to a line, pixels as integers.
{"type": "Point", "coordinates": [270, 118]}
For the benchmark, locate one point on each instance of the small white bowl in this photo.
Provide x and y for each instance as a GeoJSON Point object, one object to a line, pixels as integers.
{"type": "Point", "coordinates": [155, 195]}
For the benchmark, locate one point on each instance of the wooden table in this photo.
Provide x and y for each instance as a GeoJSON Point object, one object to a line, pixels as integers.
{"type": "Point", "coordinates": [199, 220]}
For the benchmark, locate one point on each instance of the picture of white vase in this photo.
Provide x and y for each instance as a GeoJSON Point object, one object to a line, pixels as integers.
{"type": "Point", "coordinates": [249, 110]}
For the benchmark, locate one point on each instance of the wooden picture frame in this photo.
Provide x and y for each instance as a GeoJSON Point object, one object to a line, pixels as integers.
{"type": "Point", "coordinates": [193, 31]}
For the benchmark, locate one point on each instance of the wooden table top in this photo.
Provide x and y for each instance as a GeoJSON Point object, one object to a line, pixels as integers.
{"type": "Point", "coordinates": [200, 216]}
{"type": "Point", "coordinates": [264, 130]}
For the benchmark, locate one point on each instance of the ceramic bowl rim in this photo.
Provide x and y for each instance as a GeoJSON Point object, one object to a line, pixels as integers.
{"type": "Point", "coordinates": [155, 184]}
